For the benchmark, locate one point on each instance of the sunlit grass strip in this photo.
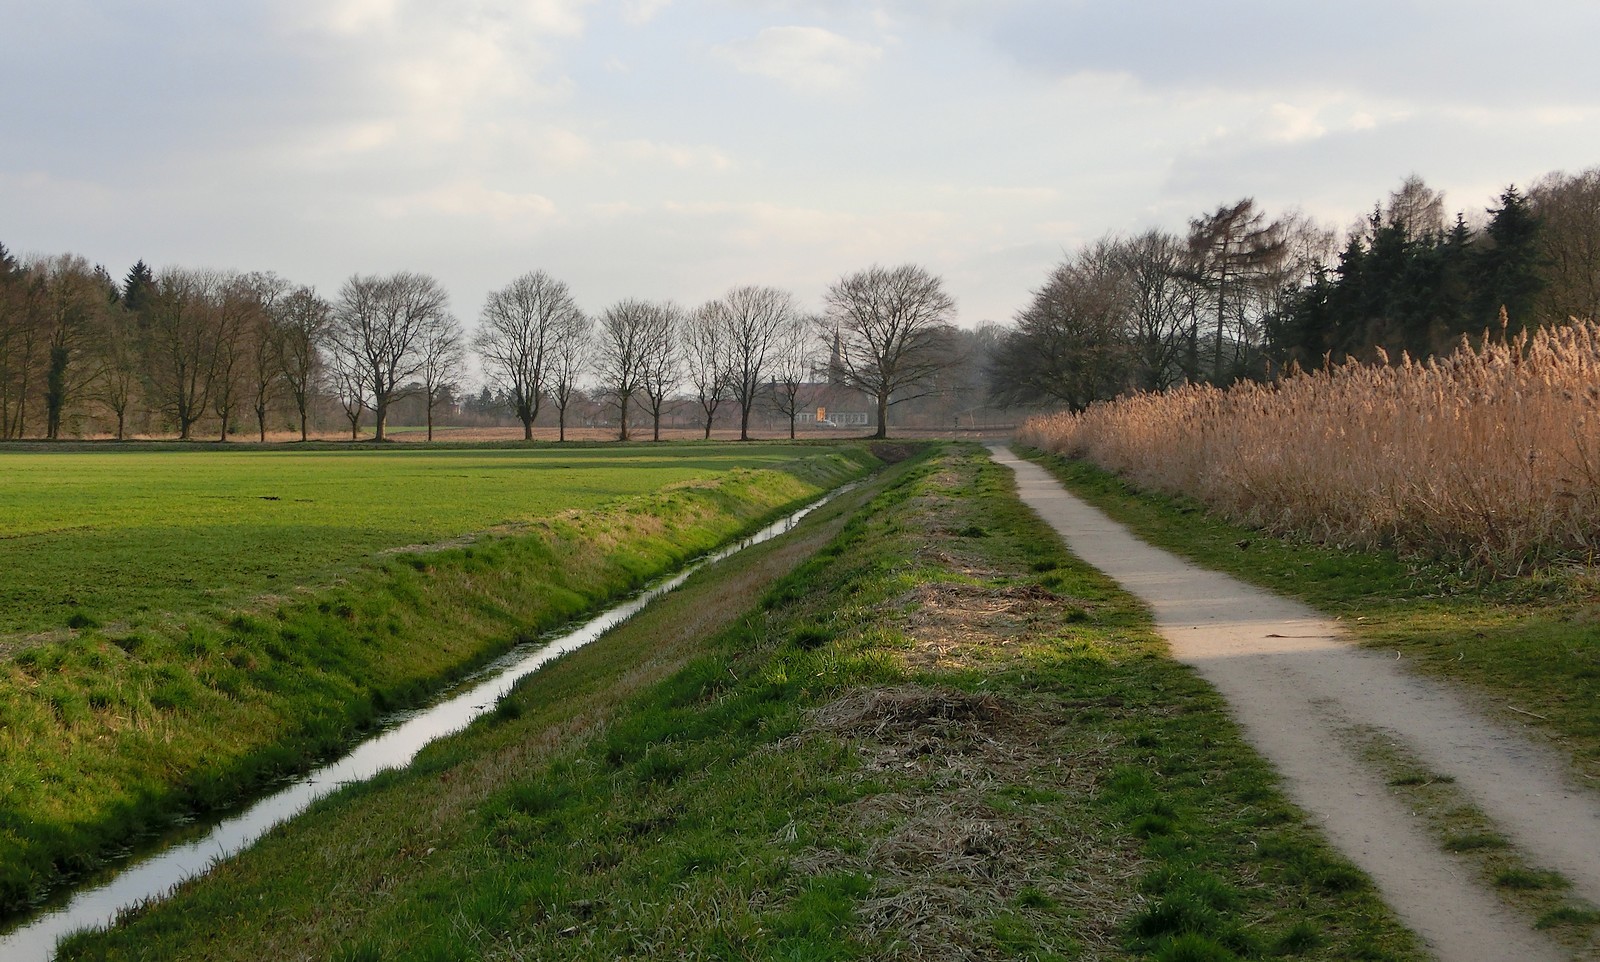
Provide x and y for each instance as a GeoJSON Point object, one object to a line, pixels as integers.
{"type": "Point", "coordinates": [1489, 456]}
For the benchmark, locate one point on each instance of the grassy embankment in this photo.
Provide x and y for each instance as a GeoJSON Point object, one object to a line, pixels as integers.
{"type": "Point", "coordinates": [940, 737]}
{"type": "Point", "coordinates": [178, 684]}
{"type": "Point", "coordinates": [1528, 646]}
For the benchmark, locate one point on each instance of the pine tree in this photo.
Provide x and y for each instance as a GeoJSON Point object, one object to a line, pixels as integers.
{"type": "Point", "coordinates": [138, 287]}
{"type": "Point", "coordinates": [1510, 264]}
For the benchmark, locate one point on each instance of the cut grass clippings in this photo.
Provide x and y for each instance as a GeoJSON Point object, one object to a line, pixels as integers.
{"type": "Point", "coordinates": [1530, 644]}
{"type": "Point", "coordinates": [941, 737]}
{"type": "Point", "coordinates": [116, 735]}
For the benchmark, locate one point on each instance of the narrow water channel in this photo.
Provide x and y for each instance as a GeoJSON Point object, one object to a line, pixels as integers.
{"type": "Point", "coordinates": [399, 740]}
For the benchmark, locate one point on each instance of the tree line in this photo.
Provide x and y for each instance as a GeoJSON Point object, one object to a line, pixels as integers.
{"type": "Point", "coordinates": [1245, 295]}
{"type": "Point", "coordinates": [183, 350]}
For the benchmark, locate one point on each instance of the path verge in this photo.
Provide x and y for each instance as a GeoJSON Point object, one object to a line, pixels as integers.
{"type": "Point", "coordinates": [1301, 690]}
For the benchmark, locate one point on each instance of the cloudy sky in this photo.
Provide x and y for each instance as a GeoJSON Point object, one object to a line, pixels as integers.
{"type": "Point", "coordinates": [676, 148]}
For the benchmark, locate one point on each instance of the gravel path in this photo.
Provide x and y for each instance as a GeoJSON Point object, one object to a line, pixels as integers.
{"type": "Point", "coordinates": [1299, 688]}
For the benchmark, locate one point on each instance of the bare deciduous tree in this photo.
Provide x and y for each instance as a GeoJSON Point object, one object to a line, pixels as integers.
{"type": "Point", "coordinates": [794, 361]}
{"type": "Point", "coordinates": [1568, 206]}
{"type": "Point", "coordinates": [348, 384]}
{"type": "Point", "coordinates": [303, 320]}
{"type": "Point", "coordinates": [239, 317]}
{"type": "Point", "coordinates": [570, 350]}
{"type": "Point", "coordinates": [661, 371]}
{"type": "Point", "coordinates": [118, 382]}
{"type": "Point", "coordinates": [19, 339]}
{"type": "Point", "coordinates": [1416, 209]}
{"type": "Point", "coordinates": [1161, 306]}
{"type": "Point", "coordinates": [262, 372]}
{"type": "Point", "coordinates": [518, 327]}
{"type": "Point", "coordinates": [71, 299]}
{"type": "Point", "coordinates": [888, 328]}
{"type": "Point", "coordinates": [707, 360]}
{"type": "Point", "coordinates": [752, 319]}
{"type": "Point", "coordinates": [443, 352]}
{"type": "Point", "coordinates": [380, 324]}
{"type": "Point", "coordinates": [623, 342]}
{"type": "Point", "coordinates": [1070, 344]}
{"type": "Point", "coordinates": [181, 345]}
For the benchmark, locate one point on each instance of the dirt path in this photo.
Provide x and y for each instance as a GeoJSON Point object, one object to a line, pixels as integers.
{"type": "Point", "coordinates": [1300, 688]}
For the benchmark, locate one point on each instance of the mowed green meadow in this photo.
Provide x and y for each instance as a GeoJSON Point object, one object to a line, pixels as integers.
{"type": "Point", "coordinates": [134, 536]}
{"type": "Point", "coordinates": [179, 627]}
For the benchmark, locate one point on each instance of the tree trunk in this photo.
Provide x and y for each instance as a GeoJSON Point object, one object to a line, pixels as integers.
{"type": "Point", "coordinates": [430, 421]}
{"type": "Point", "coordinates": [744, 422]}
{"type": "Point", "coordinates": [261, 423]}
{"type": "Point", "coordinates": [380, 417]}
{"type": "Point", "coordinates": [527, 429]}
{"type": "Point", "coordinates": [304, 435]}
{"type": "Point", "coordinates": [55, 392]}
{"type": "Point", "coordinates": [561, 425]}
{"type": "Point", "coordinates": [623, 436]}
{"type": "Point", "coordinates": [792, 418]}
{"type": "Point", "coordinates": [883, 416]}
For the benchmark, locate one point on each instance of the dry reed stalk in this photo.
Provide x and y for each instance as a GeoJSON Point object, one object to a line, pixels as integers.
{"type": "Point", "coordinates": [1489, 455]}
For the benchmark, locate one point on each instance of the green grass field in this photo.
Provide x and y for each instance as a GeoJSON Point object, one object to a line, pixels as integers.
{"type": "Point", "coordinates": [133, 536]}
{"type": "Point", "coordinates": [217, 640]}
{"type": "Point", "coordinates": [939, 736]}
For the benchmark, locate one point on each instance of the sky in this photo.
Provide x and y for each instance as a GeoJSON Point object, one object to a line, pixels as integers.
{"type": "Point", "coordinates": [674, 149]}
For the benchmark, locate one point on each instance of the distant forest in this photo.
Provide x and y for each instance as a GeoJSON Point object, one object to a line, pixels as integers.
{"type": "Point", "coordinates": [192, 354]}
{"type": "Point", "coordinates": [1244, 295]}
{"type": "Point", "coordinates": [1241, 295]}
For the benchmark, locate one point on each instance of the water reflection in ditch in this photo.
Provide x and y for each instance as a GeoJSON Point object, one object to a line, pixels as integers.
{"type": "Point", "coordinates": [404, 734]}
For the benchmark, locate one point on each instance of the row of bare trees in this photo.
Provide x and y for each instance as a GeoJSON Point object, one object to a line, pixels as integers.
{"type": "Point", "coordinates": [884, 332]}
{"type": "Point", "coordinates": [187, 347]}
{"type": "Point", "coordinates": [176, 351]}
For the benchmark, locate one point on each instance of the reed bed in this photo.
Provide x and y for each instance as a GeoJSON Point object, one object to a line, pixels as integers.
{"type": "Point", "coordinates": [1489, 456]}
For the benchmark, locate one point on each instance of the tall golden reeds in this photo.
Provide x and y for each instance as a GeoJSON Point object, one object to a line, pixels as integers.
{"type": "Point", "coordinates": [1489, 455]}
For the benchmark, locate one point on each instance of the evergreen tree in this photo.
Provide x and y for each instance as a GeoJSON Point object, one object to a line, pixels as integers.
{"type": "Point", "coordinates": [138, 287]}
{"type": "Point", "coordinates": [1510, 264]}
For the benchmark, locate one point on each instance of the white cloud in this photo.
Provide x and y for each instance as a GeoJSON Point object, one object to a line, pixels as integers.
{"type": "Point", "coordinates": [1287, 123]}
{"type": "Point", "coordinates": [640, 12]}
{"type": "Point", "coordinates": [469, 199]}
{"type": "Point", "coordinates": [354, 18]}
{"type": "Point", "coordinates": [349, 17]}
{"type": "Point", "coordinates": [805, 58]}
{"type": "Point", "coordinates": [679, 156]}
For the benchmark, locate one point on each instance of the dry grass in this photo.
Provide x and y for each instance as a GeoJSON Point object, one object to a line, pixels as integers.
{"type": "Point", "coordinates": [942, 855]}
{"type": "Point", "coordinates": [1490, 455]}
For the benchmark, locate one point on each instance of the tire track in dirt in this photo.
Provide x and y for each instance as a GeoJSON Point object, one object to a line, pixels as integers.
{"type": "Point", "coordinates": [1298, 687]}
